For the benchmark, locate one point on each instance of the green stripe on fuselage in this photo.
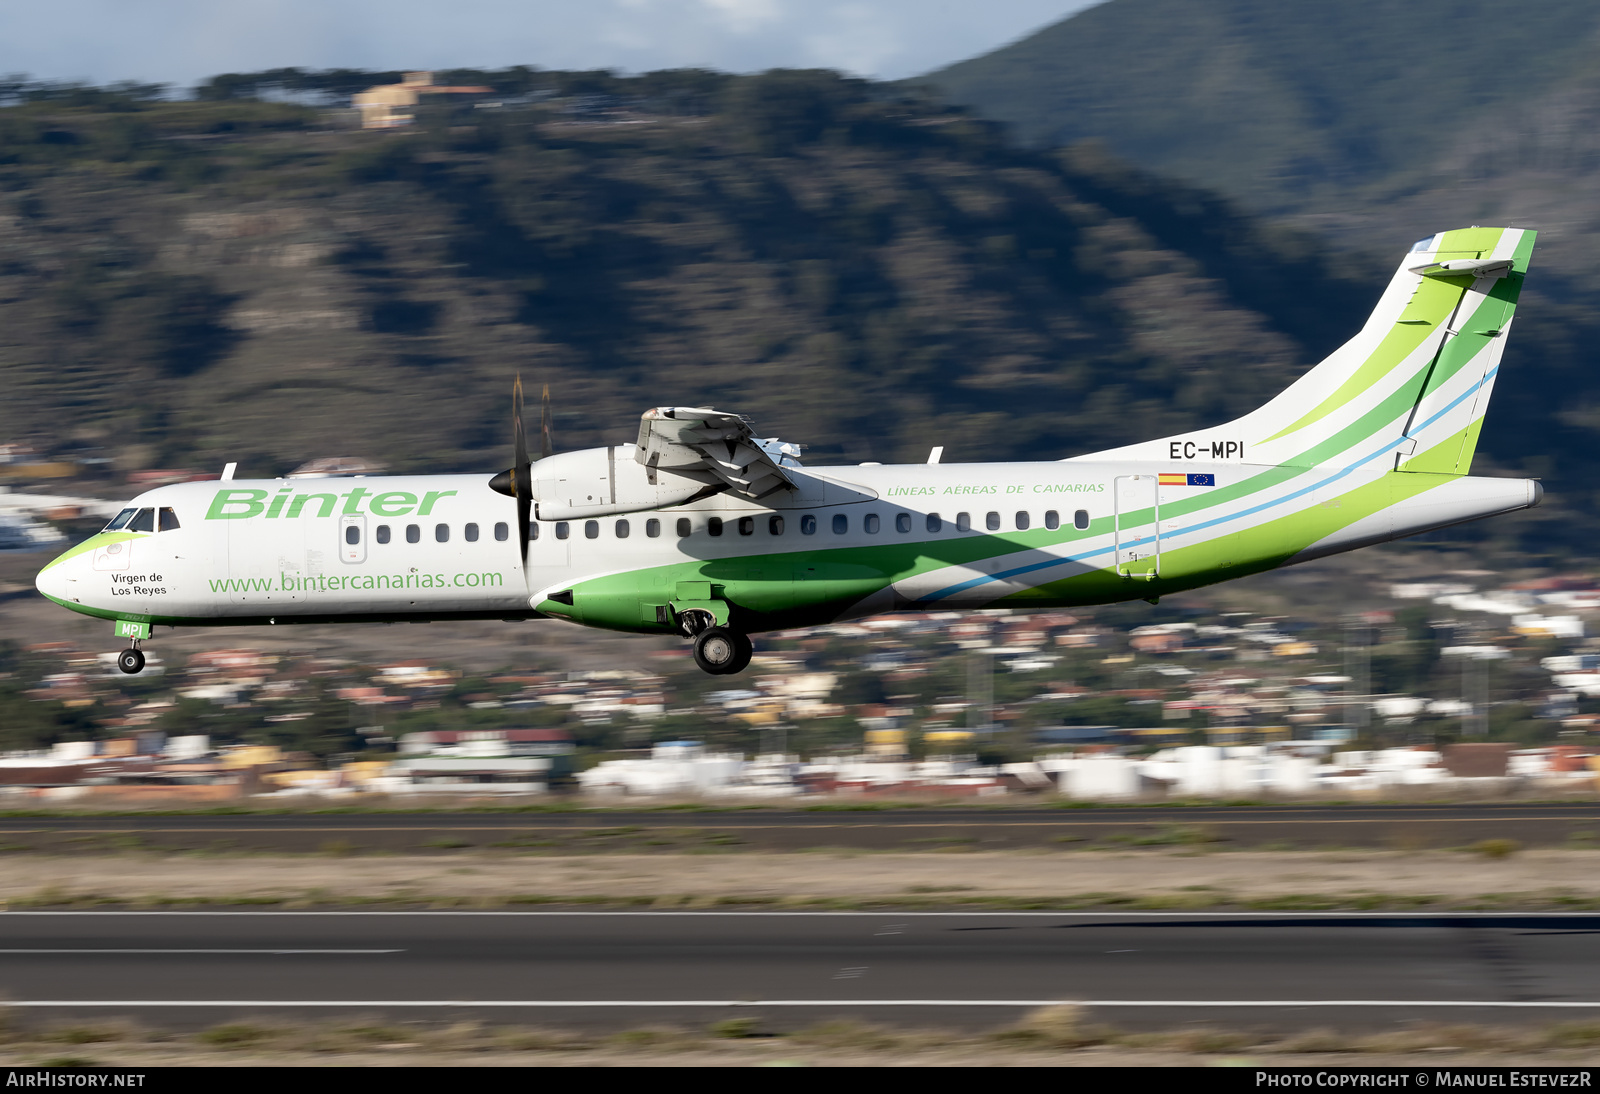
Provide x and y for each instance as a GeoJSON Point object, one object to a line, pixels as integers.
{"type": "Point", "coordinates": [804, 588]}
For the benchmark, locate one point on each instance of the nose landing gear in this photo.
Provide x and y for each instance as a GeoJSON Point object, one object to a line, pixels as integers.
{"type": "Point", "coordinates": [722, 651]}
{"type": "Point", "coordinates": [131, 660]}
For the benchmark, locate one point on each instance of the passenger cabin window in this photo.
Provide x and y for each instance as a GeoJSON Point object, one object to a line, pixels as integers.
{"type": "Point", "coordinates": [652, 528]}
{"type": "Point", "coordinates": [622, 529]}
{"type": "Point", "coordinates": [934, 523]}
{"type": "Point", "coordinates": [714, 526]}
{"type": "Point", "coordinates": [413, 533]}
{"type": "Point", "coordinates": [533, 531]}
{"type": "Point", "coordinates": [471, 533]}
{"type": "Point", "coordinates": [352, 534]}
{"type": "Point", "coordinates": [870, 524]}
{"type": "Point", "coordinates": [1022, 521]}
{"type": "Point", "coordinates": [902, 523]}
{"type": "Point", "coordinates": [143, 521]}
{"type": "Point", "coordinates": [963, 522]}
{"type": "Point", "coordinates": [684, 527]}
{"type": "Point", "coordinates": [382, 533]}
{"type": "Point", "coordinates": [775, 525]}
{"type": "Point", "coordinates": [591, 529]}
{"type": "Point", "coordinates": [502, 531]}
{"type": "Point", "coordinates": [1080, 519]}
{"type": "Point", "coordinates": [168, 521]}
{"type": "Point", "coordinates": [808, 525]}
{"type": "Point", "coordinates": [991, 521]}
{"type": "Point", "coordinates": [120, 520]}
{"type": "Point", "coordinates": [841, 524]}
{"type": "Point", "coordinates": [441, 533]}
{"type": "Point", "coordinates": [1052, 519]}
{"type": "Point", "coordinates": [563, 529]}
{"type": "Point", "coordinates": [747, 526]}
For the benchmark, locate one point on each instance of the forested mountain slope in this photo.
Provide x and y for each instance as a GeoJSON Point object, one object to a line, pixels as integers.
{"type": "Point", "coordinates": [1279, 103]}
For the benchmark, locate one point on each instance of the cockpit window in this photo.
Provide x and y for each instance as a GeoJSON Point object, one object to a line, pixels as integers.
{"type": "Point", "coordinates": [169, 520]}
{"type": "Point", "coordinates": [120, 519]}
{"type": "Point", "coordinates": [143, 521]}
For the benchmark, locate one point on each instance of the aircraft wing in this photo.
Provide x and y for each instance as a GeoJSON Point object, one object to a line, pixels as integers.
{"type": "Point", "coordinates": [715, 448]}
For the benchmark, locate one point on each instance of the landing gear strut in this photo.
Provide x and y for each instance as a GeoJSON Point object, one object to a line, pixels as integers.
{"type": "Point", "coordinates": [722, 651]}
{"type": "Point", "coordinates": [131, 660]}
{"type": "Point", "coordinates": [693, 621]}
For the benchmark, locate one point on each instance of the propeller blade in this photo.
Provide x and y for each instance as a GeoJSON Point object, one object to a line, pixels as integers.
{"type": "Point", "coordinates": [520, 434]}
{"type": "Point", "coordinates": [546, 441]}
{"type": "Point", "coordinates": [522, 470]}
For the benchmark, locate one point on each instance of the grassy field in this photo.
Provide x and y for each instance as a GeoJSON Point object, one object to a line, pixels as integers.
{"type": "Point", "coordinates": [1182, 877]}
{"type": "Point", "coordinates": [1052, 1037]}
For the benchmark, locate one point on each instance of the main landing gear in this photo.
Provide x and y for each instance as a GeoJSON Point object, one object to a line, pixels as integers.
{"type": "Point", "coordinates": [721, 651]}
{"type": "Point", "coordinates": [131, 660]}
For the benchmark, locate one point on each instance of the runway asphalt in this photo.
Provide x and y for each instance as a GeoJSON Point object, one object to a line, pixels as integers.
{"type": "Point", "coordinates": [619, 970]}
{"type": "Point", "coordinates": [1408, 827]}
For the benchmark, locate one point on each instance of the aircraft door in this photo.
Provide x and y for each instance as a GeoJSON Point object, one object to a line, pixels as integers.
{"type": "Point", "coordinates": [1136, 517]}
{"type": "Point", "coordinates": [353, 538]}
{"type": "Point", "coordinates": [267, 562]}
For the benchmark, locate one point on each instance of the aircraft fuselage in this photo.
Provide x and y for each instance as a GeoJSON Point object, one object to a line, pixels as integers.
{"type": "Point", "coordinates": [849, 541]}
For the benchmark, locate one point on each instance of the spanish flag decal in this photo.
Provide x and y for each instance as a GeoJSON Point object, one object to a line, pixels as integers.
{"type": "Point", "coordinates": [1174, 478]}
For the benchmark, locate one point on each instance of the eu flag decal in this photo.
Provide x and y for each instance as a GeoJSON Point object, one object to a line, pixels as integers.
{"type": "Point", "coordinates": [1175, 478]}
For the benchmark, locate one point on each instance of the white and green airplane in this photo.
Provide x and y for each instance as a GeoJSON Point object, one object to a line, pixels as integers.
{"type": "Point", "coordinates": [702, 529]}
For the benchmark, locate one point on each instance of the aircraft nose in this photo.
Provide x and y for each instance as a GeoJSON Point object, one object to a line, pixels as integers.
{"type": "Point", "coordinates": [52, 580]}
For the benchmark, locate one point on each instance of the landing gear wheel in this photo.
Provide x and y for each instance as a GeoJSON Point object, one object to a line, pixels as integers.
{"type": "Point", "coordinates": [131, 661]}
{"type": "Point", "coordinates": [721, 651]}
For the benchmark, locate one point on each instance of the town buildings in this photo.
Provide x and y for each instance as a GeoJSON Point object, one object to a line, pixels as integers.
{"type": "Point", "coordinates": [1457, 684]}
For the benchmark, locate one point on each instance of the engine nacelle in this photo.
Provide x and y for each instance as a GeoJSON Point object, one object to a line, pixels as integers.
{"type": "Point", "coordinates": [596, 482]}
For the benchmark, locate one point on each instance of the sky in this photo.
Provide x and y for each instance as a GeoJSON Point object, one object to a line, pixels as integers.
{"type": "Point", "coordinates": [181, 42]}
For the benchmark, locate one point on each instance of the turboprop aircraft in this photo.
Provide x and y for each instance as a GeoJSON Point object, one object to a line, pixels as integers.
{"type": "Point", "coordinates": [702, 529]}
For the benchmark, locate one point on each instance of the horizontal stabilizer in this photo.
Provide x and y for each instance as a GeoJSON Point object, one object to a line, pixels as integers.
{"type": "Point", "coordinates": [1459, 267]}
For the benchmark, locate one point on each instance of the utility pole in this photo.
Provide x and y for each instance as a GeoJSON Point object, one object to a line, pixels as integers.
{"type": "Point", "coordinates": [1476, 723]}
{"type": "Point", "coordinates": [980, 691]}
{"type": "Point", "coordinates": [1357, 670]}
{"type": "Point", "coordinates": [1475, 686]}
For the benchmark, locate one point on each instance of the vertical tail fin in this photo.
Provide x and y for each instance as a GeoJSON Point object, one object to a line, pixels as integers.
{"type": "Point", "coordinates": [1442, 431]}
{"type": "Point", "coordinates": [1411, 387]}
